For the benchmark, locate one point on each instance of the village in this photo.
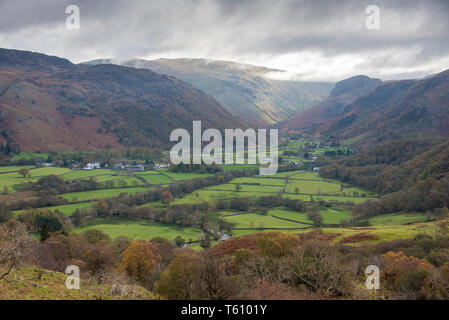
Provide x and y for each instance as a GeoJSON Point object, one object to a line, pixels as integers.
{"type": "Point", "coordinates": [97, 165]}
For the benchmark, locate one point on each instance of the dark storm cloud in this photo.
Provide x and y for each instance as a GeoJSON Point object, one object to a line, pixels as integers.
{"type": "Point", "coordinates": [301, 36]}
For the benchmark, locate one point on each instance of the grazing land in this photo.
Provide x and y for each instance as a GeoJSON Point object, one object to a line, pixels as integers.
{"type": "Point", "coordinates": [143, 230]}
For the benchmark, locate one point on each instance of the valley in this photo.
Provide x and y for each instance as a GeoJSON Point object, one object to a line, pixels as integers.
{"type": "Point", "coordinates": [87, 179]}
{"type": "Point", "coordinates": [330, 199]}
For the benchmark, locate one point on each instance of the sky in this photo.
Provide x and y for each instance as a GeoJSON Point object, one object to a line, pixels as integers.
{"type": "Point", "coordinates": [311, 40]}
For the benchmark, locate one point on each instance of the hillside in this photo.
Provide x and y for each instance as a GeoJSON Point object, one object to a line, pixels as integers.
{"type": "Point", "coordinates": [48, 103]}
{"type": "Point", "coordinates": [344, 93]}
{"type": "Point", "coordinates": [395, 109]}
{"type": "Point", "coordinates": [244, 90]}
{"type": "Point", "coordinates": [33, 283]}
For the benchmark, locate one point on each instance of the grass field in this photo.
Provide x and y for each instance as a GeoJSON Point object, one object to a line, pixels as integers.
{"type": "Point", "coordinates": [100, 194]}
{"type": "Point", "coordinates": [256, 221]}
{"type": "Point", "coordinates": [143, 230]}
{"type": "Point", "coordinates": [395, 219]}
{"type": "Point", "coordinates": [152, 178]}
{"type": "Point", "coordinates": [247, 188]}
{"type": "Point", "coordinates": [382, 233]}
{"type": "Point", "coordinates": [79, 174]}
{"type": "Point", "coordinates": [180, 176]}
{"type": "Point", "coordinates": [309, 184]}
{"type": "Point", "coordinates": [14, 181]}
{"type": "Point", "coordinates": [13, 168]}
{"type": "Point", "coordinates": [117, 179]}
{"type": "Point", "coordinates": [67, 209]}
{"type": "Point", "coordinates": [260, 180]}
{"type": "Point", "coordinates": [334, 216]}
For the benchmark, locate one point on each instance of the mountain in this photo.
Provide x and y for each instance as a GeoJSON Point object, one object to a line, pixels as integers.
{"type": "Point", "coordinates": [344, 93]}
{"type": "Point", "coordinates": [48, 103]}
{"type": "Point", "coordinates": [395, 109]}
{"type": "Point", "coordinates": [244, 90]}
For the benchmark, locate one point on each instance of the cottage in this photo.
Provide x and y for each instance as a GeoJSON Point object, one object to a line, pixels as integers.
{"type": "Point", "coordinates": [92, 165]}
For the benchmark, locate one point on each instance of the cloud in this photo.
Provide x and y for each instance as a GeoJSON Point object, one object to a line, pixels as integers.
{"type": "Point", "coordinates": [312, 40]}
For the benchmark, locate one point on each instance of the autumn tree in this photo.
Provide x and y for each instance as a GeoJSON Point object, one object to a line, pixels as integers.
{"type": "Point", "coordinates": [217, 281]}
{"type": "Point", "coordinates": [166, 197]}
{"type": "Point", "coordinates": [5, 213]}
{"type": "Point", "coordinates": [94, 236]}
{"type": "Point", "coordinates": [277, 244]}
{"type": "Point", "coordinates": [181, 281]}
{"type": "Point", "coordinates": [99, 259]}
{"type": "Point", "coordinates": [139, 261]}
{"type": "Point", "coordinates": [102, 208]}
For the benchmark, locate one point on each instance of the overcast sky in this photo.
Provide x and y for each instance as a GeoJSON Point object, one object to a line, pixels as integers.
{"type": "Point", "coordinates": [313, 40]}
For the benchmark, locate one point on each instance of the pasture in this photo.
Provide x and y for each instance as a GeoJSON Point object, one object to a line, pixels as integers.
{"type": "Point", "coordinates": [66, 209]}
{"type": "Point", "coordinates": [100, 194]}
{"type": "Point", "coordinates": [143, 230]}
{"type": "Point", "coordinates": [304, 185]}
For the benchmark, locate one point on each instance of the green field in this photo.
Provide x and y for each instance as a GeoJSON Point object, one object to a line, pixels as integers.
{"type": "Point", "coordinates": [79, 174]}
{"type": "Point", "coordinates": [67, 209]}
{"type": "Point", "coordinates": [229, 167]}
{"type": "Point", "coordinates": [180, 176]}
{"type": "Point", "coordinates": [117, 179]}
{"type": "Point", "coordinates": [247, 188]}
{"type": "Point", "coordinates": [262, 180]}
{"type": "Point", "coordinates": [143, 230]}
{"type": "Point", "coordinates": [100, 194]}
{"type": "Point", "coordinates": [257, 221]}
{"type": "Point", "coordinates": [311, 187]}
{"type": "Point", "coordinates": [152, 178]}
{"type": "Point", "coordinates": [13, 168]}
{"type": "Point", "coordinates": [334, 216]}
{"type": "Point", "coordinates": [394, 219]}
{"type": "Point", "coordinates": [14, 181]}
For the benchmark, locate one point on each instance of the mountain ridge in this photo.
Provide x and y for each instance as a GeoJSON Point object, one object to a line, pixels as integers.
{"type": "Point", "coordinates": [48, 103]}
{"type": "Point", "coordinates": [343, 94]}
{"type": "Point", "coordinates": [244, 90]}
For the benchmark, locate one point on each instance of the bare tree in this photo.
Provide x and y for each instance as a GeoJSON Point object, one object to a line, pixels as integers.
{"type": "Point", "coordinates": [16, 247]}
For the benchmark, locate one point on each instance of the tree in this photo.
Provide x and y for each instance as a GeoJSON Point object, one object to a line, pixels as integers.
{"type": "Point", "coordinates": [17, 247]}
{"type": "Point", "coordinates": [24, 172]}
{"type": "Point", "coordinates": [205, 242]}
{"type": "Point", "coordinates": [181, 281]}
{"type": "Point", "coordinates": [121, 243]}
{"type": "Point", "coordinates": [179, 241]}
{"type": "Point", "coordinates": [5, 213]}
{"type": "Point", "coordinates": [99, 259]}
{"type": "Point", "coordinates": [44, 233]}
{"type": "Point", "coordinates": [166, 197]}
{"type": "Point", "coordinates": [277, 244]}
{"type": "Point", "coordinates": [139, 261]}
{"type": "Point", "coordinates": [102, 208]}
{"type": "Point", "coordinates": [238, 187]}
{"type": "Point", "coordinates": [94, 236]}
{"type": "Point", "coordinates": [316, 265]}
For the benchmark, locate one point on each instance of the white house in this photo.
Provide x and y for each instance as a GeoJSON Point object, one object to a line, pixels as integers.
{"type": "Point", "coordinates": [92, 165]}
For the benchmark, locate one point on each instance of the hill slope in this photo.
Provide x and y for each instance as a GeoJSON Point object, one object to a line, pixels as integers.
{"type": "Point", "coordinates": [244, 90]}
{"type": "Point", "coordinates": [33, 283]}
{"type": "Point", "coordinates": [395, 109]}
{"type": "Point", "coordinates": [344, 93]}
{"type": "Point", "coordinates": [48, 103]}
